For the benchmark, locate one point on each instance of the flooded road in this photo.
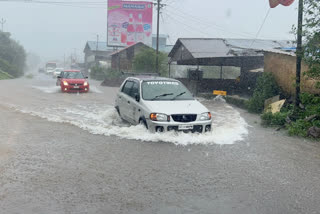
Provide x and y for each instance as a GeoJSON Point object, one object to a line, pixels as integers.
{"type": "Point", "coordinates": [95, 113]}
{"type": "Point", "coordinates": [70, 153]}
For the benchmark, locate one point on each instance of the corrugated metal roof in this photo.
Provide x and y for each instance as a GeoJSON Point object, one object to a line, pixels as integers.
{"type": "Point", "coordinates": [280, 52]}
{"type": "Point", "coordinates": [102, 46]}
{"type": "Point", "coordinates": [123, 49]}
{"type": "Point", "coordinates": [205, 48]}
{"type": "Point", "coordinates": [217, 47]}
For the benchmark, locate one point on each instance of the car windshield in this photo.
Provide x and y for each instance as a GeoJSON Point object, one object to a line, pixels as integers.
{"type": "Point", "coordinates": [165, 90]}
{"type": "Point", "coordinates": [73, 75]}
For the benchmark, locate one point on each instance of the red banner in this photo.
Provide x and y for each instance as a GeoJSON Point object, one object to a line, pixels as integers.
{"type": "Point", "coordinates": [275, 3]}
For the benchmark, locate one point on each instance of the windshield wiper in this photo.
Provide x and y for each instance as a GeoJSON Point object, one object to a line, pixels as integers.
{"type": "Point", "coordinates": [162, 95]}
{"type": "Point", "coordinates": [182, 93]}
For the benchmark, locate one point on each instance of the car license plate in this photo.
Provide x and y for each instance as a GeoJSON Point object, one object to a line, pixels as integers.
{"type": "Point", "coordinates": [185, 127]}
{"type": "Point", "coordinates": [75, 86]}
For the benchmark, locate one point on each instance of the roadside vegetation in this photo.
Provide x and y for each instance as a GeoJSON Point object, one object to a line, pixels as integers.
{"type": "Point", "coordinates": [102, 73]}
{"type": "Point", "coordinates": [304, 120]}
{"type": "Point", "coordinates": [12, 56]}
{"type": "Point", "coordinates": [4, 75]}
{"type": "Point", "coordinates": [144, 62]}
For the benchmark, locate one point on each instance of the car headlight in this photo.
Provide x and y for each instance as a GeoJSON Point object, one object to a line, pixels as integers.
{"type": "Point", "coordinates": [85, 84]}
{"type": "Point", "coordinates": [65, 83]}
{"type": "Point", "coordinates": [205, 116]}
{"type": "Point", "coordinates": [159, 117]}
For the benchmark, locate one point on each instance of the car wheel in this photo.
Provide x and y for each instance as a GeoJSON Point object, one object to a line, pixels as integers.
{"type": "Point", "coordinates": [118, 111]}
{"type": "Point", "coordinates": [143, 122]}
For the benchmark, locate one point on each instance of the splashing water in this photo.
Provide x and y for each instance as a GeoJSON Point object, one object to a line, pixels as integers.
{"type": "Point", "coordinates": [228, 126]}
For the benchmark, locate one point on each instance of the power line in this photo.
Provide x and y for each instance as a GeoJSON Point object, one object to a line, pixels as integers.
{"type": "Point", "coordinates": [183, 24]}
{"type": "Point", "coordinates": [264, 21]}
{"type": "Point", "coordinates": [206, 23]}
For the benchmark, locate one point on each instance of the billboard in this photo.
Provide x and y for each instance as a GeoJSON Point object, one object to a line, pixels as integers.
{"type": "Point", "coordinates": [275, 3]}
{"type": "Point", "coordinates": [129, 22]}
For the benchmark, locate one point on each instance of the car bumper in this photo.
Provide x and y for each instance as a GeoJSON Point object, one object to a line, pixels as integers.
{"type": "Point", "coordinates": [193, 127]}
{"type": "Point", "coordinates": [74, 89]}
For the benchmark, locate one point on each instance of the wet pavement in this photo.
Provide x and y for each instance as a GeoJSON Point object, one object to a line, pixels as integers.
{"type": "Point", "coordinates": [70, 153]}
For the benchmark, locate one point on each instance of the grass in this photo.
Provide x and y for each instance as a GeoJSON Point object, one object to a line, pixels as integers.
{"type": "Point", "coordinates": [4, 75]}
{"type": "Point", "coordinates": [29, 76]}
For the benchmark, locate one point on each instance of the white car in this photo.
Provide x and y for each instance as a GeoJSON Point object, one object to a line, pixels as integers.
{"type": "Point", "coordinates": [57, 72]}
{"type": "Point", "coordinates": [49, 71]}
{"type": "Point", "coordinates": [161, 104]}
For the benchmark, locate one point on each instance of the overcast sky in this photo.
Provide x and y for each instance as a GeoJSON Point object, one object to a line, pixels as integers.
{"type": "Point", "coordinates": [52, 30]}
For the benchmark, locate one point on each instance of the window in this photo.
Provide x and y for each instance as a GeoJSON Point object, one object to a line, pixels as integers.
{"type": "Point", "coordinates": [73, 75]}
{"type": "Point", "coordinates": [165, 90]}
{"type": "Point", "coordinates": [134, 90]}
{"type": "Point", "coordinates": [127, 87]}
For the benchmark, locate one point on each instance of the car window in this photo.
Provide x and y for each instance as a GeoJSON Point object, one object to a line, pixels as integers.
{"type": "Point", "coordinates": [134, 89]}
{"type": "Point", "coordinates": [127, 87]}
{"type": "Point", "coordinates": [165, 90]}
{"type": "Point", "coordinates": [73, 75]}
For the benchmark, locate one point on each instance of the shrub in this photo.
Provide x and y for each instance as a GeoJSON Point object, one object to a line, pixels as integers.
{"type": "Point", "coordinates": [10, 69]}
{"type": "Point", "coordinates": [100, 73]}
{"type": "Point", "coordinates": [266, 87]}
{"type": "Point", "coordinates": [4, 75]}
{"type": "Point", "coordinates": [299, 128]}
{"type": "Point", "coordinates": [277, 119]}
{"type": "Point", "coordinates": [29, 76]}
{"type": "Point", "coordinates": [239, 102]}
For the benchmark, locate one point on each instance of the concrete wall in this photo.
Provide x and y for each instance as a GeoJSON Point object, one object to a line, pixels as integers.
{"type": "Point", "coordinates": [283, 67]}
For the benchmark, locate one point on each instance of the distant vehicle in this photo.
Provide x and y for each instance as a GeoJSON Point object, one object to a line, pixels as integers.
{"type": "Point", "coordinates": [50, 66]}
{"type": "Point", "coordinates": [72, 81]}
{"type": "Point", "coordinates": [41, 70]}
{"type": "Point", "coordinates": [161, 104]}
{"type": "Point", "coordinates": [57, 72]}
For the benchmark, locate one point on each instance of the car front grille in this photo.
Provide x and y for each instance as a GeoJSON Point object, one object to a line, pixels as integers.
{"type": "Point", "coordinates": [76, 84]}
{"type": "Point", "coordinates": [196, 128]}
{"type": "Point", "coordinates": [184, 118]}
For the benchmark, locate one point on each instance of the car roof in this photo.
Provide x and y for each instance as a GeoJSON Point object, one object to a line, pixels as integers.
{"type": "Point", "coordinates": [150, 78]}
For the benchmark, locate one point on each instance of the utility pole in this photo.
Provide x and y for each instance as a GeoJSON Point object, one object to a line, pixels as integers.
{"type": "Point", "coordinates": [2, 22]}
{"type": "Point", "coordinates": [299, 52]}
{"type": "Point", "coordinates": [97, 42]}
{"type": "Point", "coordinates": [157, 50]}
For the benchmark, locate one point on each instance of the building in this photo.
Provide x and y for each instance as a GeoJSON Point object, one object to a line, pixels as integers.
{"type": "Point", "coordinates": [283, 67]}
{"type": "Point", "coordinates": [121, 60]}
{"type": "Point", "coordinates": [225, 56]}
{"type": "Point", "coordinates": [163, 43]}
{"type": "Point", "coordinates": [94, 52]}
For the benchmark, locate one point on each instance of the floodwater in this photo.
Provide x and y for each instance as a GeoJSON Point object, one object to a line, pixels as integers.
{"type": "Point", "coordinates": [95, 113]}
{"type": "Point", "coordinates": [88, 161]}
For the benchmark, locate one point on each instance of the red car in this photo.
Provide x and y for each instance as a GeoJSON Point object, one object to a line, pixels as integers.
{"type": "Point", "coordinates": [73, 81]}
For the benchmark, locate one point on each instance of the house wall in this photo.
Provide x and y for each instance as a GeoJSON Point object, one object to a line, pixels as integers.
{"type": "Point", "coordinates": [123, 60]}
{"type": "Point", "coordinates": [283, 67]}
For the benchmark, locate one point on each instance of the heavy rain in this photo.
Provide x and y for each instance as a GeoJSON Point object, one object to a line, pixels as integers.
{"type": "Point", "coordinates": [163, 106]}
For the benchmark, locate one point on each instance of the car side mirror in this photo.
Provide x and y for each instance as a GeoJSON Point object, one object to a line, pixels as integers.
{"type": "Point", "coordinates": [86, 77]}
{"type": "Point", "coordinates": [59, 77]}
{"type": "Point", "coordinates": [137, 97]}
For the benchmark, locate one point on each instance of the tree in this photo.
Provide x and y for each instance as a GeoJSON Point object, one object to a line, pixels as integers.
{"type": "Point", "coordinates": [312, 38]}
{"type": "Point", "coordinates": [145, 62]}
{"type": "Point", "coordinates": [12, 55]}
